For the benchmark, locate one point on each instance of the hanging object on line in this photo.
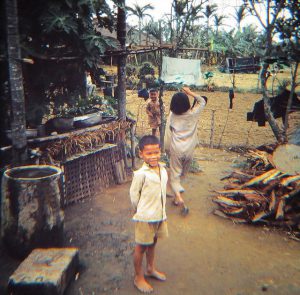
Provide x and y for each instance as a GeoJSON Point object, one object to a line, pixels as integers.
{"type": "Point", "coordinates": [231, 97]}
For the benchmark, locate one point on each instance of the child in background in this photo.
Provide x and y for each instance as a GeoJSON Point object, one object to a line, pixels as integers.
{"type": "Point", "coordinates": [153, 111]}
{"type": "Point", "coordinates": [148, 198]}
{"type": "Point", "coordinates": [181, 138]}
{"type": "Point", "coordinates": [89, 84]}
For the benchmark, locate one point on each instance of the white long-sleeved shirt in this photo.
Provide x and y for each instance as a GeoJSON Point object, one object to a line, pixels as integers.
{"type": "Point", "coordinates": [181, 130]}
{"type": "Point", "coordinates": [148, 194]}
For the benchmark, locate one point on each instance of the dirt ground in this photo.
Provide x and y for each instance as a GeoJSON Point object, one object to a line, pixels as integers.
{"type": "Point", "coordinates": [220, 126]}
{"type": "Point", "coordinates": [204, 253]}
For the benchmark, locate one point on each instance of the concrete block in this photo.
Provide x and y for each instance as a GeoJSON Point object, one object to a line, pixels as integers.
{"type": "Point", "coordinates": [44, 272]}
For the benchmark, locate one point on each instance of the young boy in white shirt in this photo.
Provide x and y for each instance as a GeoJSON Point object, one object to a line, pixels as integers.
{"type": "Point", "coordinates": [148, 198]}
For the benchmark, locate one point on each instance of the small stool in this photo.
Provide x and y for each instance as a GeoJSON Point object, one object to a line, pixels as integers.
{"type": "Point", "coordinates": [44, 272]}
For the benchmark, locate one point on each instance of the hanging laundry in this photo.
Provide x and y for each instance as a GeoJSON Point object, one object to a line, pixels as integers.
{"type": "Point", "coordinates": [231, 97]}
{"type": "Point", "coordinates": [181, 71]}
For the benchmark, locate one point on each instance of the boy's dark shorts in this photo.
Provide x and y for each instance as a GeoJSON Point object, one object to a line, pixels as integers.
{"type": "Point", "coordinates": [145, 232]}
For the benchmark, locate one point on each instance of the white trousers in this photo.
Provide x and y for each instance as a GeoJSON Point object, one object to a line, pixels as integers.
{"type": "Point", "coordinates": [179, 166]}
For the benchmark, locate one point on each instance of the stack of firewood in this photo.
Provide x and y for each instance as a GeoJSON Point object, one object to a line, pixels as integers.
{"type": "Point", "coordinates": [262, 193]}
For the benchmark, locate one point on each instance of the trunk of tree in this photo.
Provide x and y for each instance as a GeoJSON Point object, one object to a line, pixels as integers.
{"type": "Point", "coordinates": [294, 71]}
{"type": "Point", "coordinates": [279, 134]}
{"type": "Point", "coordinates": [140, 32]}
{"type": "Point", "coordinates": [18, 122]}
{"type": "Point", "coordinates": [161, 103]}
{"type": "Point", "coordinates": [121, 33]}
{"type": "Point", "coordinates": [121, 88]}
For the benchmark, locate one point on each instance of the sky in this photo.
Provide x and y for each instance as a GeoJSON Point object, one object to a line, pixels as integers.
{"type": "Point", "coordinates": [226, 7]}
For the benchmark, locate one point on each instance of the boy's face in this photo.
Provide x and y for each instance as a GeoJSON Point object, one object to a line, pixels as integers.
{"type": "Point", "coordinates": [153, 95]}
{"type": "Point", "coordinates": [151, 154]}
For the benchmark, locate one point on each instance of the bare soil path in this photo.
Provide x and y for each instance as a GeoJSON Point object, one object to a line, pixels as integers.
{"type": "Point", "coordinates": [204, 254]}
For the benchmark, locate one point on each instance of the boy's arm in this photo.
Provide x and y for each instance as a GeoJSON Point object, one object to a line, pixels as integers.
{"type": "Point", "coordinates": [188, 91]}
{"type": "Point", "coordinates": [136, 189]}
{"type": "Point", "coordinates": [148, 110]}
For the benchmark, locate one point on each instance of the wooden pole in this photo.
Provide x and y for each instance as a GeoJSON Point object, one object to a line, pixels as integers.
{"type": "Point", "coordinates": [133, 155]}
{"type": "Point", "coordinates": [212, 129]}
{"type": "Point", "coordinates": [121, 89]}
{"type": "Point", "coordinates": [121, 35]}
{"type": "Point", "coordinates": [17, 101]}
{"type": "Point", "coordinates": [161, 103]}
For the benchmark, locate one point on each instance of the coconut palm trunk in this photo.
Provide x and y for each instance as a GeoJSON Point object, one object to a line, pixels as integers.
{"type": "Point", "coordinates": [121, 34]}
{"type": "Point", "coordinates": [17, 120]}
{"type": "Point", "coordinates": [121, 88]}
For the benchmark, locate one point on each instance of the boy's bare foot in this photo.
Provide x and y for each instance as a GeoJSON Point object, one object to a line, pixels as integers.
{"type": "Point", "coordinates": [185, 210]}
{"type": "Point", "coordinates": [178, 201]}
{"type": "Point", "coordinates": [156, 275]}
{"type": "Point", "coordinates": [142, 285]}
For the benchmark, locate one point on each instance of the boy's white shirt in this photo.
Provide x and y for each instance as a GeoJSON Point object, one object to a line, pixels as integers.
{"type": "Point", "coordinates": [148, 194]}
{"type": "Point", "coordinates": [183, 139]}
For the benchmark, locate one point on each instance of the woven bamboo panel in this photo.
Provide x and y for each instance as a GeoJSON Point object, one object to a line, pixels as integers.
{"type": "Point", "coordinates": [87, 174]}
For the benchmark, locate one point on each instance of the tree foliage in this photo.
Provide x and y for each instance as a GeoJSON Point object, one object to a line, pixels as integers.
{"type": "Point", "coordinates": [282, 16]}
{"type": "Point", "coordinates": [64, 28]}
{"type": "Point", "coordinates": [140, 13]}
{"type": "Point", "coordinates": [186, 12]}
{"type": "Point", "coordinates": [62, 38]}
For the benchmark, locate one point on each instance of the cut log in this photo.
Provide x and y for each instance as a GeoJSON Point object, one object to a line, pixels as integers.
{"type": "Point", "coordinates": [259, 216]}
{"type": "Point", "coordinates": [273, 201]}
{"type": "Point", "coordinates": [234, 219]}
{"type": "Point", "coordinates": [255, 198]}
{"type": "Point", "coordinates": [234, 211]}
{"type": "Point", "coordinates": [287, 158]}
{"type": "Point", "coordinates": [227, 201]}
{"type": "Point", "coordinates": [280, 211]}
{"type": "Point", "coordinates": [259, 178]}
{"type": "Point", "coordinates": [286, 181]}
{"type": "Point", "coordinates": [238, 175]}
{"type": "Point", "coordinates": [236, 191]}
{"type": "Point", "coordinates": [271, 177]}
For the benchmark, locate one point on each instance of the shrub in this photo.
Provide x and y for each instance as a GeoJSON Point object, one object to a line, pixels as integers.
{"type": "Point", "coordinates": [146, 69]}
{"type": "Point", "coordinates": [131, 70]}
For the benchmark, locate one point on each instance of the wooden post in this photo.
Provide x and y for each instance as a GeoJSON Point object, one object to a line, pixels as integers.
{"type": "Point", "coordinates": [121, 35]}
{"type": "Point", "coordinates": [211, 144]}
{"type": "Point", "coordinates": [120, 173]}
{"type": "Point", "coordinates": [121, 89]}
{"type": "Point", "coordinates": [17, 101]}
{"type": "Point", "coordinates": [132, 132]}
{"type": "Point", "coordinates": [161, 103]}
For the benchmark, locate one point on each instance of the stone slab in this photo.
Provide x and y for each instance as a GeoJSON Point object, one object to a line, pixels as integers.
{"type": "Point", "coordinates": [45, 272]}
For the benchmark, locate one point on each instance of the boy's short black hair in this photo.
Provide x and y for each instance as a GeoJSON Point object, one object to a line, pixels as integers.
{"type": "Point", "coordinates": [153, 90]}
{"type": "Point", "coordinates": [148, 139]}
{"type": "Point", "coordinates": [180, 103]}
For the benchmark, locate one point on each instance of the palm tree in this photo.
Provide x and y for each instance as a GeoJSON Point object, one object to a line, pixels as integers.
{"type": "Point", "coordinates": [209, 11]}
{"type": "Point", "coordinates": [18, 124]}
{"type": "Point", "coordinates": [218, 21]}
{"type": "Point", "coordinates": [140, 13]}
{"type": "Point", "coordinates": [185, 14]}
{"type": "Point", "coordinates": [121, 34]}
{"type": "Point", "coordinates": [240, 14]}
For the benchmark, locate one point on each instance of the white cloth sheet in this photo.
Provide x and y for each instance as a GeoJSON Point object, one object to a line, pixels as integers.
{"type": "Point", "coordinates": [179, 70]}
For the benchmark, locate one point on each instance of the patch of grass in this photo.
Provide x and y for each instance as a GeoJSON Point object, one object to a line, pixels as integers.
{"type": "Point", "coordinates": [195, 167]}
